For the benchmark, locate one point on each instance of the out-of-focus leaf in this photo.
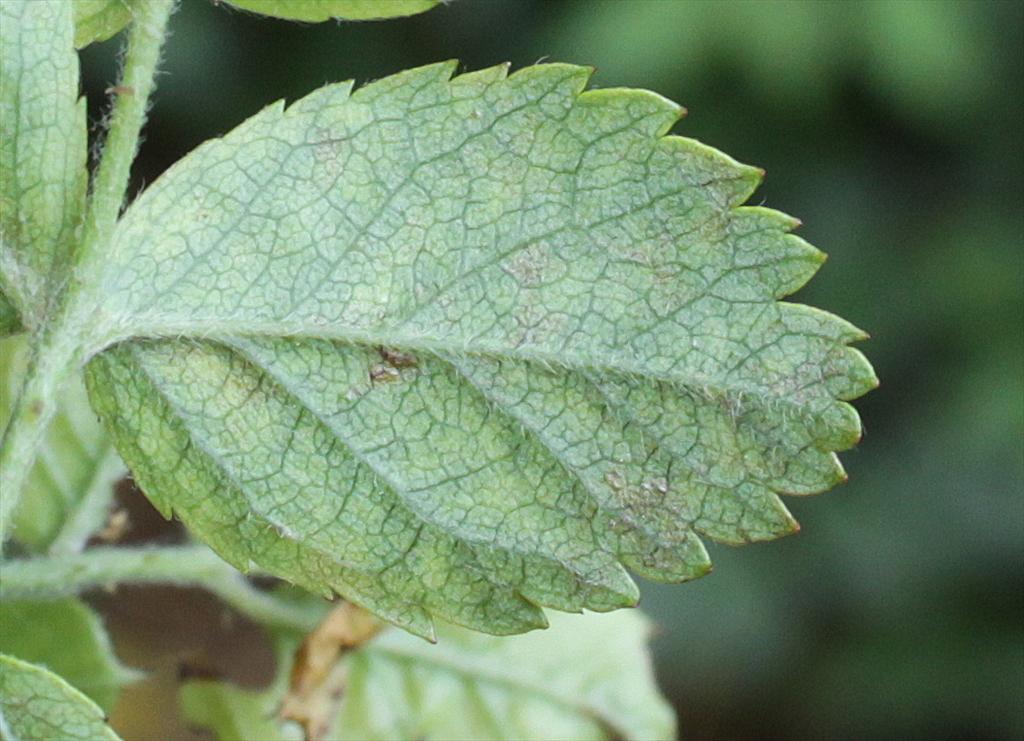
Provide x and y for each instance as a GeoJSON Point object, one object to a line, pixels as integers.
{"type": "Point", "coordinates": [42, 149]}
{"type": "Point", "coordinates": [98, 20]}
{"type": "Point", "coordinates": [37, 705]}
{"type": "Point", "coordinates": [923, 55]}
{"type": "Point", "coordinates": [71, 483]}
{"type": "Point", "coordinates": [235, 714]}
{"type": "Point", "coordinates": [322, 10]}
{"type": "Point", "coordinates": [586, 677]}
{"type": "Point", "coordinates": [569, 359]}
{"type": "Point", "coordinates": [67, 637]}
{"type": "Point", "coordinates": [919, 54]}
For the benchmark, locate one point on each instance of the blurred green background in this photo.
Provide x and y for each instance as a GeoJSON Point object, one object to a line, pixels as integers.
{"type": "Point", "coordinates": [894, 131]}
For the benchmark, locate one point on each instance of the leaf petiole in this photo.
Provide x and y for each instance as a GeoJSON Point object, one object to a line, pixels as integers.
{"type": "Point", "coordinates": [60, 347]}
{"type": "Point", "coordinates": [54, 577]}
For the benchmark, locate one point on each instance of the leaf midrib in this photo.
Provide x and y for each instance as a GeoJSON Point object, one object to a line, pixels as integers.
{"type": "Point", "coordinates": [240, 487]}
{"type": "Point", "coordinates": [225, 471]}
{"type": "Point", "coordinates": [394, 486]}
{"type": "Point", "coordinates": [227, 331]}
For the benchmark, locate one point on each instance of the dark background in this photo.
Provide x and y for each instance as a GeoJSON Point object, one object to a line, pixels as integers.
{"type": "Point", "coordinates": [894, 131]}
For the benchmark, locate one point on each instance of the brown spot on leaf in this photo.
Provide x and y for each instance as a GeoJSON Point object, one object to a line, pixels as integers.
{"type": "Point", "coordinates": [398, 359]}
{"type": "Point", "coordinates": [383, 374]}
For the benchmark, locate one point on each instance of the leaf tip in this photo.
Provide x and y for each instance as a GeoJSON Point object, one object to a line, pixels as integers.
{"type": "Point", "coordinates": [542, 622]}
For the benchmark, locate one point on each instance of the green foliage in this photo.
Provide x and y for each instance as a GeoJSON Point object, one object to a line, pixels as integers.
{"type": "Point", "coordinates": [9, 321]}
{"type": "Point", "coordinates": [590, 364]}
{"type": "Point", "coordinates": [42, 152]}
{"type": "Point", "coordinates": [919, 54]}
{"type": "Point", "coordinates": [71, 482]}
{"type": "Point", "coordinates": [98, 20]}
{"type": "Point", "coordinates": [67, 637]}
{"type": "Point", "coordinates": [37, 705]}
{"type": "Point", "coordinates": [455, 348]}
{"type": "Point", "coordinates": [568, 682]}
{"type": "Point", "coordinates": [322, 10]}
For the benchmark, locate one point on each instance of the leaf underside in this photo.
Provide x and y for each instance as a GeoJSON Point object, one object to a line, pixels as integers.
{"type": "Point", "coordinates": [588, 677]}
{"type": "Point", "coordinates": [67, 637]}
{"type": "Point", "coordinates": [315, 11]}
{"type": "Point", "coordinates": [36, 704]}
{"type": "Point", "coordinates": [99, 20]}
{"type": "Point", "coordinates": [460, 347]}
{"type": "Point", "coordinates": [42, 154]}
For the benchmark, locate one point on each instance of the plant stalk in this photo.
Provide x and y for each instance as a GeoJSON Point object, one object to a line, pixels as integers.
{"type": "Point", "coordinates": [50, 363]}
{"type": "Point", "coordinates": [54, 577]}
{"type": "Point", "coordinates": [59, 347]}
{"type": "Point", "coordinates": [131, 101]}
{"type": "Point", "coordinates": [90, 512]}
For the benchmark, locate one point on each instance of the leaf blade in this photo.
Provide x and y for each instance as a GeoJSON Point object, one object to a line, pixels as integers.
{"type": "Point", "coordinates": [316, 11]}
{"type": "Point", "coordinates": [587, 677]}
{"type": "Point", "coordinates": [36, 704]}
{"type": "Point", "coordinates": [83, 655]}
{"type": "Point", "coordinates": [593, 674]}
{"type": "Point", "coordinates": [519, 316]}
{"type": "Point", "coordinates": [99, 20]}
{"type": "Point", "coordinates": [43, 151]}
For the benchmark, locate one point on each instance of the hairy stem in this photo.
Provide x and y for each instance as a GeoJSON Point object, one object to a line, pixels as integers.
{"type": "Point", "coordinates": [149, 26]}
{"type": "Point", "coordinates": [57, 349]}
{"type": "Point", "coordinates": [61, 576]}
{"type": "Point", "coordinates": [50, 363]}
{"type": "Point", "coordinates": [90, 511]}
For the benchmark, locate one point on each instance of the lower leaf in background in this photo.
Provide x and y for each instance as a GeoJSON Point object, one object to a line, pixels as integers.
{"type": "Point", "coordinates": [71, 483]}
{"type": "Point", "coordinates": [67, 637]}
{"type": "Point", "coordinates": [37, 705]}
{"type": "Point", "coordinates": [587, 677]}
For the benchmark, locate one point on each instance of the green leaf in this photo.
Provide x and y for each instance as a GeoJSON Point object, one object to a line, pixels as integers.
{"type": "Point", "coordinates": [43, 149]}
{"type": "Point", "coordinates": [71, 483]}
{"type": "Point", "coordinates": [233, 713]}
{"type": "Point", "coordinates": [322, 10]}
{"type": "Point", "coordinates": [68, 638]}
{"type": "Point", "coordinates": [99, 20]}
{"type": "Point", "coordinates": [9, 321]}
{"type": "Point", "coordinates": [463, 347]}
{"type": "Point", "coordinates": [37, 705]}
{"type": "Point", "coordinates": [587, 677]}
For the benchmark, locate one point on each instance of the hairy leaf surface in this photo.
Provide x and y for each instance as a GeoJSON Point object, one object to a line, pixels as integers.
{"type": "Point", "coordinates": [460, 347]}
{"type": "Point", "coordinates": [67, 637]}
{"type": "Point", "coordinates": [585, 678]}
{"type": "Point", "coordinates": [42, 152]}
{"type": "Point", "coordinates": [71, 482]}
{"type": "Point", "coordinates": [37, 705]}
{"type": "Point", "coordinates": [322, 10]}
